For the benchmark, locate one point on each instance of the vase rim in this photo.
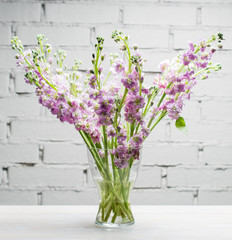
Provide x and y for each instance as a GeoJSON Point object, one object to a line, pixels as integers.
{"type": "Point", "coordinates": [96, 148]}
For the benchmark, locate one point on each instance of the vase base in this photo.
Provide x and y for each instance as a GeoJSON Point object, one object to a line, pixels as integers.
{"type": "Point", "coordinates": [113, 225]}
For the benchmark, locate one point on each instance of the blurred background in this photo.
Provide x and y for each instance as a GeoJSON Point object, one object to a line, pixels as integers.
{"type": "Point", "coordinates": [43, 161]}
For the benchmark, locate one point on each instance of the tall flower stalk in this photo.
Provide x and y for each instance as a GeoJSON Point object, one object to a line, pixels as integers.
{"type": "Point", "coordinates": [115, 114]}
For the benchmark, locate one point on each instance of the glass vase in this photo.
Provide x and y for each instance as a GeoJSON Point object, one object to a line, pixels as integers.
{"type": "Point", "coordinates": [114, 187]}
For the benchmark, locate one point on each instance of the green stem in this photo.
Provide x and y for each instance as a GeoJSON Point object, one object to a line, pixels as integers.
{"type": "Point", "coordinates": [161, 116]}
{"type": "Point", "coordinates": [115, 215]}
{"type": "Point", "coordinates": [106, 78]}
{"type": "Point", "coordinates": [105, 144]}
{"type": "Point", "coordinates": [39, 69]}
{"type": "Point", "coordinates": [112, 159]}
{"type": "Point", "coordinates": [123, 99]}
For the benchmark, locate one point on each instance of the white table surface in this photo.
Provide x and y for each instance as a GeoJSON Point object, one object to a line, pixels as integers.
{"type": "Point", "coordinates": [152, 222]}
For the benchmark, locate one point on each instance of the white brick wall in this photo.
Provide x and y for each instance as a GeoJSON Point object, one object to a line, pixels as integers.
{"type": "Point", "coordinates": [18, 197]}
{"type": "Point", "coordinates": [19, 153]}
{"type": "Point", "coordinates": [44, 130]}
{"type": "Point", "coordinates": [218, 154]}
{"type": "Point", "coordinates": [162, 196]}
{"type": "Point", "coordinates": [148, 177]}
{"type": "Point", "coordinates": [5, 34]}
{"type": "Point", "coordinates": [70, 197]}
{"type": "Point", "coordinates": [4, 84]}
{"type": "Point", "coordinates": [215, 197]}
{"type": "Point", "coordinates": [2, 130]}
{"type": "Point", "coordinates": [159, 15]}
{"type": "Point", "coordinates": [19, 12]}
{"type": "Point", "coordinates": [62, 153]}
{"type": "Point", "coordinates": [56, 34]}
{"type": "Point", "coordinates": [82, 13]}
{"type": "Point", "coordinates": [200, 177]}
{"type": "Point", "coordinates": [214, 16]}
{"type": "Point", "coordinates": [45, 177]}
{"type": "Point", "coordinates": [19, 106]}
{"type": "Point", "coordinates": [44, 162]}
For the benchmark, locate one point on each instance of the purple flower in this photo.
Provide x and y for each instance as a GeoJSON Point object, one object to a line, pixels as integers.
{"type": "Point", "coordinates": [136, 141]}
{"type": "Point", "coordinates": [118, 66]}
{"type": "Point", "coordinates": [111, 131]}
{"type": "Point", "coordinates": [145, 131]}
{"type": "Point", "coordinates": [202, 45]}
{"type": "Point", "coordinates": [146, 91]}
{"type": "Point", "coordinates": [185, 59]}
{"type": "Point", "coordinates": [121, 136]}
{"type": "Point", "coordinates": [92, 81]}
{"type": "Point", "coordinates": [164, 65]}
{"type": "Point", "coordinates": [121, 163]}
{"type": "Point", "coordinates": [128, 82]}
{"type": "Point", "coordinates": [191, 46]}
{"type": "Point", "coordinates": [135, 102]}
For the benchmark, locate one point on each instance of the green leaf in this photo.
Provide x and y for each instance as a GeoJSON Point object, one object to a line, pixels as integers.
{"type": "Point", "coordinates": [180, 125]}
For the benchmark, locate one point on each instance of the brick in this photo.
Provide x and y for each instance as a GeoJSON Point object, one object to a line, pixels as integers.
{"type": "Point", "coordinates": [203, 132]}
{"type": "Point", "coordinates": [19, 153]}
{"type": "Point", "coordinates": [149, 79]}
{"type": "Point", "coordinates": [90, 180]}
{"type": "Point", "coordinates": [17, 197]}
{"type": "Point", "coordinates": [158, 133]}
{"type": "Point", "coordinates": [1, 176]}
{"type": "Point", "coordinates": [199, 1]}
{"type": "Point", "coordinates": [159, 15]}
{"type": "Point", "coordinates": [87, 197]}
{"type": "Point", "coordinates": [135, 1]}
{"type": "Point", "coordinates": [7, 59]}
{"type": "Point", "coordinates": [217, 16]}
{"type": "Point", "coordinates": [47, 130]}
{"type": "Point", "coordinates": [161, 197]}
{"type": "Point", "coordinates": [2, 130]}
{"type": "Point", "coordinates": [65, 153]}
{"type": "Point", "coordinates": [21, 86]}
{"type": "Point", "coordinates": [214, 197]}
{"type": "Point", "coordinates": [76, 36]}
{"type": "Point", "coordinates": [169, 154]}
{"type": "Point", "coordinates": [4, 84]}
{"type": "Point", "coordinates": [150, 37]}
{"type": "Point", "coordinates": [217, 110]}
{"type": "Point", "coordinates": [5, 32]}
{"type": "Point", "coordinates": [218, 85]}
{"type": "Point", "coordinates": [191, 110]}
{"type": "Point", "coordinates": [79, 13]}
{"type": "Point", "coordinates": [45, 177]}
{"type": "Point", "coordinates": [19, 106]}
{"type": "Point", "coordinates": [148, 177]}
{"type": "Point", "coordinates": [217, 154]}
{"type": "Point", "coordinates": [223, 57]}
{"type": "Point", "coordinates": [183, 36]}
{"type": "Point", "coordinates": [199, 177]}
{"type": "Point", "coordinates": [20, 12]}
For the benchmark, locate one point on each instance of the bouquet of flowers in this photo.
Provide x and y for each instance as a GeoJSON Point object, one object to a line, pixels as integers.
{"type": "Point", "coordinates": [116, 113]}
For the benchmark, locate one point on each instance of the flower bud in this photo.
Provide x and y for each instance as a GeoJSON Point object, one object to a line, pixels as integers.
{"type": "Point", "coordinates": [102, 57]}
{"type": "Point", "coordinates": [135, 46]}
{"type": "Point", "coordinates": [122, 47]}
{"type": "Point", "coordinates": [100, 69]}
{"type": "Point", "coordinates": [213, 50]}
